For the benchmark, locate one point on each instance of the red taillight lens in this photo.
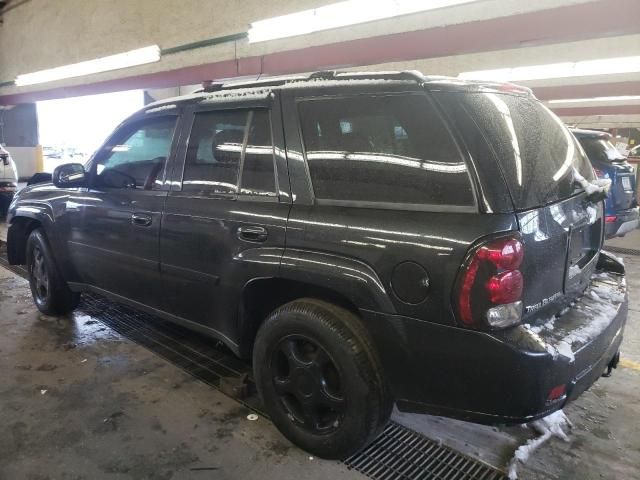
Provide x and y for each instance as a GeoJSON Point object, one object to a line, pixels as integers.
{"type": "Point", "coordinates": [506, 254]}
{"type": "Point", "coordinates": [506, 287]}
{"type": "Point", "coordinates": [610, 218]}
{"type": "Point", "coordinates": [491, 278]}
{"type": "Point", "coordinates": [557, 392]}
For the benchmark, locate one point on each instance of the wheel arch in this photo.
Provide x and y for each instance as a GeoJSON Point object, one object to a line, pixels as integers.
{"type": "Point", "coordinates": [262, 296]}
{"type": "Point", "coordinates": [19, 230]}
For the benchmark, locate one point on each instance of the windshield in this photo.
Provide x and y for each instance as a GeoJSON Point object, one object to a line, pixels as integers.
{"type": "Point", "coordinates": [536, 152]}
{"type": "Point", "coordinates": [601, 149]}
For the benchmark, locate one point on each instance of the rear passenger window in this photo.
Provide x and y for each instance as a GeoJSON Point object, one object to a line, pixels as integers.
{"type": "Point", "coordinates": [389, 149]}
{"type": "Point", "coordinates": [216, 152]}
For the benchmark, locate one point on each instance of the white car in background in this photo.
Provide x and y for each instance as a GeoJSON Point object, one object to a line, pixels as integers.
{"type": "Point", "coordinates": [8, 180]}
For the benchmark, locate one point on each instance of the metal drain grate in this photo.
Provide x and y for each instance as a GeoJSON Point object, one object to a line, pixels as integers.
{"type": "Point", "coordinates": [402, 454]}
{"type": "Point", "coordinates": [397, 454]}
{"type": "Point", "coordinates": [624, 251]}
{"type": "Point", "coordinates": [195, 354]}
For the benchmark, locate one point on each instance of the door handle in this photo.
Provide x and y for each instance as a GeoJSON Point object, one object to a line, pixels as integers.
{"type": "Point", "coordinates": [141, 219]}
{"type": "Point", "coordinates": [252, 233]}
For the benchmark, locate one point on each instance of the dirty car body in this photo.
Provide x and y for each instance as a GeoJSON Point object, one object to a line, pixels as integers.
{"type": "Point", "coordinates": [467, 251]}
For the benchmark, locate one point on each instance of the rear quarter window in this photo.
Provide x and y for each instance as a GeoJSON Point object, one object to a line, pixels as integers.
{"type": "Point", "coordinates": [382, 149]}
{"type": "Point", "coordinates": [537, 154]}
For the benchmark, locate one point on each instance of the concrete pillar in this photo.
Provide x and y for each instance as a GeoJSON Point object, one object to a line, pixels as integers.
{"type": "Point", "coordinates": [19, 135]}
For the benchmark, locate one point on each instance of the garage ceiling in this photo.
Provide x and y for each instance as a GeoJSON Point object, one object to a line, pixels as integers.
{"type": "Point", "coordinates": [479, 36]}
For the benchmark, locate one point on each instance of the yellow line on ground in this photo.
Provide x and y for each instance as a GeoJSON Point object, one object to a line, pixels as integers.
{"type": "Point", "coordinates": [629, 364]}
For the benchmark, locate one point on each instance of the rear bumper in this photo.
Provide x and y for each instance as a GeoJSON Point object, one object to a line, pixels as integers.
{"type": "Point", "coordinates": [502, 377]}
{"type": "Point", "coordinates": [626, 221]}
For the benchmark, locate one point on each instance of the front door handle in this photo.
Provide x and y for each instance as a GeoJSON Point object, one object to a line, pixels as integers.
{"type": "Point", "coordinates": [141, 219]}
{"type": "Point", "coordinates": [252, 233]}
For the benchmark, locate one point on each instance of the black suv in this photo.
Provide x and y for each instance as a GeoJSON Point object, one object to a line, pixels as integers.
{"type": "Point", "coordinates": [368, 239]}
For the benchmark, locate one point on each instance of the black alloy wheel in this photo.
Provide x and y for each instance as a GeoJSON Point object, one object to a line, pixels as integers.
{"type": "Point", "coordinates": [40, 275]}
{"type": "Point", "coordinates": [50, 291]}
{"type": "Point", "coordinates": [308, 384]}
{"type": "Point", "coordinates": [318, 373]}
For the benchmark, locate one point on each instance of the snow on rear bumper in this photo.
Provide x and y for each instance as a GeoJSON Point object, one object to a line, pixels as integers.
{"type": "Point", "coordinates": [578, 330]}
{"type": "Point", "coordinates": [584, 338]}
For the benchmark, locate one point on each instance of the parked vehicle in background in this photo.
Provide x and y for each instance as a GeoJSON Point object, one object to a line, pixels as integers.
{"type": "Point", "coordinates": [635, 152]}
{"type": "Point", "coordinates": [413, 241]}
{"type": "Point", "coordinates": [621, 205]}
{"type": "Point", "coordinates": [52, 152]}
{"type": "Point", "coordinates": [8, 180]}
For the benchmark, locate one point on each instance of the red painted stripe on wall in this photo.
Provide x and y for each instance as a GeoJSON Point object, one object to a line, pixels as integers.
{"type": "Point", "coordinates": [588, 91]}
{"type": "Point", "coordinates": [599, 110]}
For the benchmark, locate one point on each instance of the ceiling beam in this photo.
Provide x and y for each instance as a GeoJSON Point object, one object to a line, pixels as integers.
{"type": "Point", "coordinates": [562, 24]}
{"type": "Point", "coordinates": [613, 89]}
{"type": "Point", "coordinates": [599, 110]}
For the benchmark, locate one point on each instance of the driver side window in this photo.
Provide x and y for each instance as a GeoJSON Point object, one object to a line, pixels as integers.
{"type": "Point", "coordinates": [137, 156]}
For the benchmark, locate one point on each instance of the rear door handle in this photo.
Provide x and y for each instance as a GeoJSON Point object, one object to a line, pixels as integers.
{"type": "Point", "coordinates": [252, 233]}
{"type": "Point", "coordinates": [141, 219]}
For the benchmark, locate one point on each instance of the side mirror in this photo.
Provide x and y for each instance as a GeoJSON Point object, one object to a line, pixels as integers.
{"type": "Point", "coordinates": [69, 175]}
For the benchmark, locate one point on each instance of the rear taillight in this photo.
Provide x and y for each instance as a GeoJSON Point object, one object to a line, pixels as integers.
{"type": "Point", "coordinates": [610, 219]}
{"type": "Point", "coordinates": [558, 392]}
{"type": "Point", "coordinates": [490, 284]}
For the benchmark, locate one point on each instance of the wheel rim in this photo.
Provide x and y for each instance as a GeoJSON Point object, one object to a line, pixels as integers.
{"type": "Point", "coordinates": [39, 275]}
{"type": "Point", "coordinates": [308, 384]}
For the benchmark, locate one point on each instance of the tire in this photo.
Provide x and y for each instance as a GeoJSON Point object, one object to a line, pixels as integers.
{"type": "Point", "coordinates": [50, 292]}
{"type": "Point", "coordinates": [320, 379]}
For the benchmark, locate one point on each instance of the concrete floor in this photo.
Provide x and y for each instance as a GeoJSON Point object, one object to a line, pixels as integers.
{"type": "Point", "coordinates": [78, 401]}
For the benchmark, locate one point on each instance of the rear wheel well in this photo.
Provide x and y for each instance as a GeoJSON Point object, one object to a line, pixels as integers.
{"type": "Point", "coordinates": [263, 296]}
{"type": "Point", "coordinates": [19, 231]}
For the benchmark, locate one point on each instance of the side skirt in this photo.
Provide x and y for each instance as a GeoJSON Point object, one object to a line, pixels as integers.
{"type": "Point", "coordinates": [196, 327]}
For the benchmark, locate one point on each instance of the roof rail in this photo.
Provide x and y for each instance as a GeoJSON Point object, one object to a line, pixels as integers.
{"type": "Point", "coordinates": [324, 75]}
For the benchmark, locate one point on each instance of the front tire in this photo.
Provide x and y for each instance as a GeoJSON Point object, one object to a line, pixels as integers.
{"type": "Point", "coordinates": [50, 292]}
{"type": "Point", "coordinates": [319, 377]}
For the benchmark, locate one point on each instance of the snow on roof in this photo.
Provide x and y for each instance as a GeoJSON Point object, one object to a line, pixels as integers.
{"type": "Point", "coordinates": [237, 94]}
{"type": "Point", "coordinates": [333, 82]}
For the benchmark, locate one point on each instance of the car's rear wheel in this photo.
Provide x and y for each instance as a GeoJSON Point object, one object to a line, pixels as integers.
{"type": "Point", "coordinates": [320, 379]}
{"type": "Point", "coordinates": [50, 292]}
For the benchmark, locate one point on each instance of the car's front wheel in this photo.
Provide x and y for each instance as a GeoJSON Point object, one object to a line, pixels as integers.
{"type": "Point", "coordinates": [320, 379]}
{"type": "Point", "coordinates": [50, 292]}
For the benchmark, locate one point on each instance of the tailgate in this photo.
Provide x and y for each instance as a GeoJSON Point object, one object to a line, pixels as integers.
{"type": "Point", "coordinates": [561, 244]}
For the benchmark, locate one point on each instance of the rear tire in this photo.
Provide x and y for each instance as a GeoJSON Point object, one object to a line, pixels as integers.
{"type": "Point", "coordinates": [320, 379]}
{"type": "Point", "coordinates": [50, 292]}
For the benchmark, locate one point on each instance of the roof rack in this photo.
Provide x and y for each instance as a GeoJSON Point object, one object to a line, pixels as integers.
{"type": "Point", "coordinates": [410, 75]}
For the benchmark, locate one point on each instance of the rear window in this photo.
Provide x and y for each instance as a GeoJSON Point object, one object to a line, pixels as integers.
{"type": "Point", "coordinates": [383, 149]}
{"type": "Point", "coordinates": [537, 154]}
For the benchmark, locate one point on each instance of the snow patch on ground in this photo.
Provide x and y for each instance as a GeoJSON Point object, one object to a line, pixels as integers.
{"type": "Point", "coordinates": [553, 425]}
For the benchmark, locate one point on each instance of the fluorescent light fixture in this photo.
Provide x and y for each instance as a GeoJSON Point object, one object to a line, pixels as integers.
{"type": "Point", "coordinates": [341, 14]}
{"type": "Point", "coordinates": [605, 66]}
{"type": "Point", "coordinates": [622, 98]}
{"type": "Point", "coordinates": [132, 58]}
